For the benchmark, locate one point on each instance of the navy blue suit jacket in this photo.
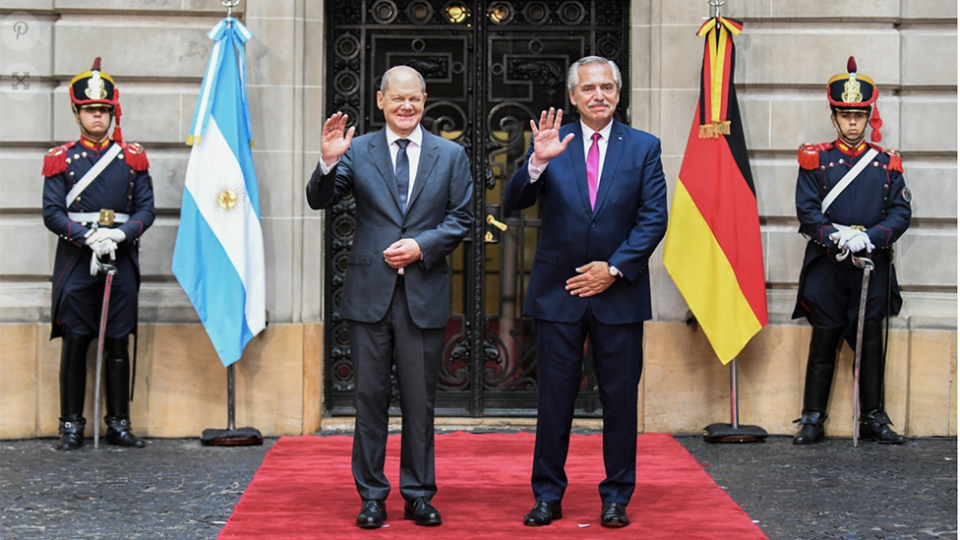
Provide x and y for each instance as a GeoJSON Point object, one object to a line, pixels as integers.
{"type": "Point", "coordinates": [628, 223]}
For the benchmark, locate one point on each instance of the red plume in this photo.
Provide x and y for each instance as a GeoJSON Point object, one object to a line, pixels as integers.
{"type": "Point", "coordinates": [851, 65]}
{"type": "Point", "coordinates": [96, 65]}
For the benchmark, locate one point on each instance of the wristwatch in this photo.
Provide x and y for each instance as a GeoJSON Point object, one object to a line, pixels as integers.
{"type": "Point", "coordinates": [613, 271]}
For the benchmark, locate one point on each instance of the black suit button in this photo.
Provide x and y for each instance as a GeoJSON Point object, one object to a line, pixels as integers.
{"type": "Point", "coordinates": [592, 225]}
{"type": "Point", "coordinates": [403, 230]}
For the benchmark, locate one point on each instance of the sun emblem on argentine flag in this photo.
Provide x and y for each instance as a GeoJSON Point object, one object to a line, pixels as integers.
{"type": "Point", "coordinates": [226, 197]}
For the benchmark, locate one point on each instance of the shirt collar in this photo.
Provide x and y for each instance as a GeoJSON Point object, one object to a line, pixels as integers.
{"type": "Point", "coordinates": [87, 143]}
{"type": "Point", "coordinates": [851, 151]}
{"type": "Point", "coordinates": [416, 137]}
{"type": "Point", "coordinates": [588, 131]}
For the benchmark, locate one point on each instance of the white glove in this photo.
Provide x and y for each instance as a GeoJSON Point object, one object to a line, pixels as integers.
{"type": "Point", "coordinates": [856, 242]}
{"type": "Point", "coordinates": [103, 233]}
{"type": "Point", "coordinates": [104, 247]}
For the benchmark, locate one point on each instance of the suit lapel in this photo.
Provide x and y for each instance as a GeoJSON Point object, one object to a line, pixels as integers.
{"type": "Point", "coordinates": [428, 158]}
{"type": "Point", "coordinates": [380, 153]}
{"type": "Point", "coordinates": [579, 163]}
{"type": "Point", "coordinates": [610, 161]}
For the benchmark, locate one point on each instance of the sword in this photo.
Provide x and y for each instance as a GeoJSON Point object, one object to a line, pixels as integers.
{"type": "Point", "coordinates": [111, 270]}
{"type": "Point", "coordinates": [867, 265]}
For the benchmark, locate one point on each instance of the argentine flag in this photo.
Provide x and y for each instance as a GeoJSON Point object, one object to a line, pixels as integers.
{"type": "Point", "coordinates": [218, 258]}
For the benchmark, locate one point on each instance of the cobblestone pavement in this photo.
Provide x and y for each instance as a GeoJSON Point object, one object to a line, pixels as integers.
{"type": "Point", "coordinates": [179, 489]}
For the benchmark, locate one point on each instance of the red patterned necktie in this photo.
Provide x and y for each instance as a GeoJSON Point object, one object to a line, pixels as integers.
{"type": "Point", "coordinates": [593, 167]}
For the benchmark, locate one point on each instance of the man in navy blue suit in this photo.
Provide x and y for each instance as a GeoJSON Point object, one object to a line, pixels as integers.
{"type": "Point", "coordinates": [603, 211]}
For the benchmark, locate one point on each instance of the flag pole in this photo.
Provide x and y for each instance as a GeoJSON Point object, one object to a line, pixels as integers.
{"type": "Point", "coordinates": [734, 432]}
{"type": "Point", "coordinates": [232, 436]}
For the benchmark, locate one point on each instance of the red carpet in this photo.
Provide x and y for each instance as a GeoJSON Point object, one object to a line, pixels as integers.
{"type": "Point", "coordinates": [305, 489]}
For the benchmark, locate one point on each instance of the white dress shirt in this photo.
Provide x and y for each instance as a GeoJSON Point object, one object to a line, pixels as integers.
{"type": "Point", "coordinates": [413, 155]}
{"type": "Point", "coordinates": [588, 132]}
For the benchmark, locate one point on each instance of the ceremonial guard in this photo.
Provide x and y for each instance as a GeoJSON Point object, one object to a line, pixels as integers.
{"type": "Point", "coordinates": [98, 200]}
{"type": "Point", "coordinates": [853, 205]}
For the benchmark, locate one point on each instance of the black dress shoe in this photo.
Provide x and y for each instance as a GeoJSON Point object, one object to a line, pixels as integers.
{"type": "Point", "coordinates": [71, 433]}
{"type": "Point", "coordinates": [811, 427]}
{"type": "Point", "coordinates": [372, 514]}
{"type": "Point", "coordinates": [875, 426]}
{"type": "Point", "coordinates": [120, 434]}
{"type": "Point", "coordinates": [421, 511]}
{"type": "Point", "coordinates": [543, 513]}
{"type": "Point", "coordinates": [614, 514]}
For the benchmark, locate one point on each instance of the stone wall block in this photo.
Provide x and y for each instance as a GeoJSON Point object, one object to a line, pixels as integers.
{"type": "Point", "coordinates": [268, 105]}
{"type": "Point", "coordinates": [697, 12]}
{"type": "Point", "coordinates": [148, 117]}
{"type": "Point", "coordinates": [156, 248]}
{"type": "Point", "coordinates": [155, 48]}
{"type": "Point", "coordinates": [18, 362]}
{"type": "Point", "coordinates": [32, 241]}
{"type": "Point", "coordinates": [825, 9]}
{"type": "Point", "coordinates": [26, 113]}
{"type": "Point", "coordinates": [807, 120]}
{"type": "Point", "coordinates": [924, 253]}
{"type": "Point", "coordinates": [675, 128]}
{"type": "Point", "coordinates": [924, 128]}
{"type": "Point", "coordinates": [315, 44]}
{"type": "Point", "coordinates": [681, 57]}
{"type": "Point", "coordinates": [932, 383]}
{"type": "Point", "coordinates": [640, 73]}
{"type": "Point", "coordinates": [920, 68]}
{"type": "Point", "coordinates": [276, 180]}
{"type": "Point", "coordinates": [21, 181]}
{"type": "Point", "coordinates": [278, 245]}
{"type": "Point", "coordinates": [812, 56]}
{"type": "Point", "coordinates": [776, 183]}
{"type": "Point", "coordinates": [32, 44]}
{"type": "Point", "coordinates": [168, 169]}
{"type": "Point", "coordinates": [783, 252]}
{"type": "Point", "coordinates": [929, 9]}
{"type": "Point", "coordinates": [757, 123]}
{"type": "Point", "coordinates": [270, 53]}
{"type": "Point", "coordinates": [934, 187]}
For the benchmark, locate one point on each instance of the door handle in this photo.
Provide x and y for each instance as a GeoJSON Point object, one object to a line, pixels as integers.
{"type": "Point", "coordinates": [493, 221]}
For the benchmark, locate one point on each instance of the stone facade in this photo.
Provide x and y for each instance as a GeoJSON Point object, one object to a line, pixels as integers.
{"type": "Point", "coordinates": [157, 51]}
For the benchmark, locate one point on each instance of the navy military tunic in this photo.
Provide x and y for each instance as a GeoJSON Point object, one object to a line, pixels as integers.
{"type": "Point", "coordinates": [879, 202]}
{"type": "Point", "coordinates": [124, 186]}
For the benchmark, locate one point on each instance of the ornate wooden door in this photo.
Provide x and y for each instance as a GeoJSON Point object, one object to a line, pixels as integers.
{"type": "Point", "coordinates": [490, 66]}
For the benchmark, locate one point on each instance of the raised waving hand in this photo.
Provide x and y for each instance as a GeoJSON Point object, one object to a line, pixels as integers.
{"type": "Point", "coordinates": [546, 137]}
{"type": "Point", "coordinates": [334, 142]}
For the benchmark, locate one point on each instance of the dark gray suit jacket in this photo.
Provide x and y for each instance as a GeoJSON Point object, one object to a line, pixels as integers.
{"type": "Point", "coordinates": [439, 214]}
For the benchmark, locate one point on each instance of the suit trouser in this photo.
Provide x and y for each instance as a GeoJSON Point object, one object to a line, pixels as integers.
{"type": "Point", "coordinates": [417, 352]}
{"type": "Point", "coordinates": [617, 363]}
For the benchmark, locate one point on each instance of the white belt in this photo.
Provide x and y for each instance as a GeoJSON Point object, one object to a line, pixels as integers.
{"type": "Point", "coordinates": [87, 217]}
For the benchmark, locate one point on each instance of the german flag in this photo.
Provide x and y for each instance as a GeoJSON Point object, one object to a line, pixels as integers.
{"type": "Point", "coordinates": [712, 249]}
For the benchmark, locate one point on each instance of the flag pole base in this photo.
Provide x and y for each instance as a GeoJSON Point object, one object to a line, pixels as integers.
{"type": "Point", "coordinates": [232, 436]}
{"type": "Point", "coordinates": [728, 433]}
{"type": "Point", "coordinates": [245, 436]}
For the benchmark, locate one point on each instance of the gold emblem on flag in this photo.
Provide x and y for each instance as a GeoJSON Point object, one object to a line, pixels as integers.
{"type": "Point", "coordinates": [851, 90]}
{"type": "Point", "coordinates": [227, 199]}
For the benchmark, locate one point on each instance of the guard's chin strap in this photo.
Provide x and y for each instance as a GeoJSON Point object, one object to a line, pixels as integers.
{"type": "Point", "coordinates": [848, 142]}
{"type": "Point", "coordinates": [83, 129]}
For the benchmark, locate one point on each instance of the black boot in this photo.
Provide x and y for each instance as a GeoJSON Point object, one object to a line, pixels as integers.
{"type": "Point", "coordinates": [871, 368]}
{"type": "Point", "coordinates": [71, 432]}
{"type": "Point", "coordinates": [811, 427]}
{"type": "Point", "coordinates": [875, 426]}
{"type": "Point", "coordinates": [816, 390]}
{"type": "Point", "coordinates": [73, 383]}
{"type": "Point", "coordinates": [117, 375]}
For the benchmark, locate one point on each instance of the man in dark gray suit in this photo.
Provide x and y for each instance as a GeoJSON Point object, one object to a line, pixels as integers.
{"type": "Point", "coordinates": [413, 193]}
